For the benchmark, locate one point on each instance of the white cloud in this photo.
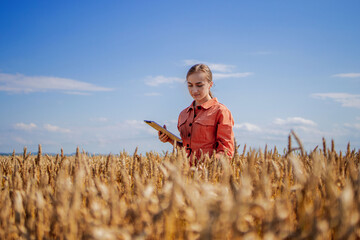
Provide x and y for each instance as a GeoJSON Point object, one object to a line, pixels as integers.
{"type": "Point", "coordinates": [32, 126]}
{"type": "Point", "coordinates": [346, 99]}
{"type": "Point", "coordinates": [24, 126]}
{"type": "Point", "coordinates": [220, 71]}
{"type": "Point", "coordinates": [19, 83]}
{"type": "Point", "coordinates": [282, 127]}
{"type": "Point", "coordinates": [124, 129]}
{"type": "Point", "coordinates": [347, 75]}
{"type": "Point", "coordinates": [52, 128]}
{"type": "Point", "coordinates": [294, 121]}
{"type": "Point", "coordinates": [356, 126]}
{"type": "Point", "coordinates": [218, 76]}
{"type": "Point", "coordinates": [156, 81]}
{"type": "Point", "coordinates": [21, 140]}
{"type": "Point", "coordinates": [78, 93]}
{"type": "Point", "coordinates": [307, 129]}
{"type": "Point", "coordinates": [248, 127]}
{"type": "Point", "coordinates": [276, 132]}
{"type": "Point", "coordinates": [135, 123]}
{"type": "Point", "coordinates": [215, 67]}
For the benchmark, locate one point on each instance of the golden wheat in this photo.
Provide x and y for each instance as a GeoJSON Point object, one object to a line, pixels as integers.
{"type": "Point", "coordinates": [255, 195]}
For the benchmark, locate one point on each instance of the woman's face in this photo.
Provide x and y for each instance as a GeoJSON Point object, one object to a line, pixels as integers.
{"type": "Point", "coordinates": [199, 87]}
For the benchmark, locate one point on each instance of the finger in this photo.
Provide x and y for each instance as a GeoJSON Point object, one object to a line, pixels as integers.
{"type": "Point", "coordinates": [164, 137]}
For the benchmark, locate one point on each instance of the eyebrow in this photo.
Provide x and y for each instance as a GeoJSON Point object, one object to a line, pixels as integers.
{"type": "Point", "coordinates": [195, 83]}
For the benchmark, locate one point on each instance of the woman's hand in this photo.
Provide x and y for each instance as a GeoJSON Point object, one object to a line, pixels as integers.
{"type": "Point", "coordinates": [163, 137]}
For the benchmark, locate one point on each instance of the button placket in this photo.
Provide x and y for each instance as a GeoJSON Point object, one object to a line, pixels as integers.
{"type": "Point", "coordinates": [190, 131]}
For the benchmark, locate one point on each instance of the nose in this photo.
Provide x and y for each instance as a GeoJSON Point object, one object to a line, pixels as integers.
{"type": "Point", "coordinates": [193, 90]}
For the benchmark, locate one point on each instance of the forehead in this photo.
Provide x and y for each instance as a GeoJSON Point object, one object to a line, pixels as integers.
{"type": "Point", "coordinates": [197, 77]}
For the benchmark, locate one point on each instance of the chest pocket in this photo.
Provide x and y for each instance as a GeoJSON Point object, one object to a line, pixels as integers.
{"type": "Point", "coordinates": [182, 126]}
{"type": "Point", "coordinates": [182, 120]}
{"type": "Point", "coordinates": [206, 129]}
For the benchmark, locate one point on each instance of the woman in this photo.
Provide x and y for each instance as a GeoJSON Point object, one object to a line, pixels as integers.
{"type": "Point", "coordinates": [206, 125]}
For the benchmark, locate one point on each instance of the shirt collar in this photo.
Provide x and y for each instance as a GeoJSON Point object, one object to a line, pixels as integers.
{"type": "Point", "coordinates": [205, 105]}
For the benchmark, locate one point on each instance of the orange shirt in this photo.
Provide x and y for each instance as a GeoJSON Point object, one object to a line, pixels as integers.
{"type": "Point", "coordinates": [208, 127]}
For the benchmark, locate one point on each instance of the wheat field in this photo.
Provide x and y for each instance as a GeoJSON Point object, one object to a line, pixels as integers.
{"type": "Point", "coordinates": [258, 194]}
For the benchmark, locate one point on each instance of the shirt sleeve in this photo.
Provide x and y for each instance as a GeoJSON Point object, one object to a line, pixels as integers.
{"type": "Point", "coordinates": [224, 133]}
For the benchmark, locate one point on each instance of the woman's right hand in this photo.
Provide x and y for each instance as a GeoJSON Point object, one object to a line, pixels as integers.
{"type": "Point", "coordinates": [163, 137]}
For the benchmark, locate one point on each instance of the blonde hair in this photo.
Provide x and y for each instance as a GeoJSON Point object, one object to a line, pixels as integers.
{"type": "Point", "coordinates": [201, 68]}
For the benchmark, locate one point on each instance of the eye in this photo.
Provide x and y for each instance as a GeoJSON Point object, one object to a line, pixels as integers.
{"type": "Point", "coordinates": [200, 85]}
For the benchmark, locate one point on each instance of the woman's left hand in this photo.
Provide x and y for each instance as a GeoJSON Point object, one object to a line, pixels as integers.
{"type": "Point", "coordinates": [164, 137]}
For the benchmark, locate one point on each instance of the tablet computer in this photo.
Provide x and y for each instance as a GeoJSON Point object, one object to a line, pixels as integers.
{"type": "Point", "coordinates": [163, 130]}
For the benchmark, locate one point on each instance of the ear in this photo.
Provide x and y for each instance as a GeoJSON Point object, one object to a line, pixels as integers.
{"type": "Point", "coordinates": [211, 84]}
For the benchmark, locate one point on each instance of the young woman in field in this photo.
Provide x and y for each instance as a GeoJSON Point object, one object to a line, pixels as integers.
{"type": "Point", "coordinates": [206, 125]}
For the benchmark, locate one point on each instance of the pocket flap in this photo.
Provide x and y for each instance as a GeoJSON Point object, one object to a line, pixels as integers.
{"type": "Point", "coordinates": [206, 121]}
{"type": "Point", "coordinates": [182, 119]}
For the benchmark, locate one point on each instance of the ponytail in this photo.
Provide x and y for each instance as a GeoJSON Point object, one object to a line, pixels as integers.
{"type": "Point", "coordinates": [210, 93]}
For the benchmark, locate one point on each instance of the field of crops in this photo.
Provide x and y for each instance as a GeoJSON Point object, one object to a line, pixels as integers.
{"type": "Point", "coordinates": [258, 194]}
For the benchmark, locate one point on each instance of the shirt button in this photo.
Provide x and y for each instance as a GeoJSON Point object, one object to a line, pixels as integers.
{"type": "Point", "coordinates": [187, 145]}
{"type": "Point", "coordinates": [194, 115]}
{"type": "Point", "coordinates": [198, 107]}
{"type": "Point", "coordinates": [189, 135]}
{"type": "Point", "coordinates": [190, 124]}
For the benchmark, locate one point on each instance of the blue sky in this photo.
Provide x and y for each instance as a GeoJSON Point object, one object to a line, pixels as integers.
{"type": "Point", "coordinates": [87, 73]}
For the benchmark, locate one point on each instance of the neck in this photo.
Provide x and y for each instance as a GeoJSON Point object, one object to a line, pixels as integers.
{"type": "Point", "coordinates": [205, 99]}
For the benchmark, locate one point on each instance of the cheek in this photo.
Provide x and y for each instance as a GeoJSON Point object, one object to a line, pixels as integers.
{"type": "Point", "coordinates": [191, 90]}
